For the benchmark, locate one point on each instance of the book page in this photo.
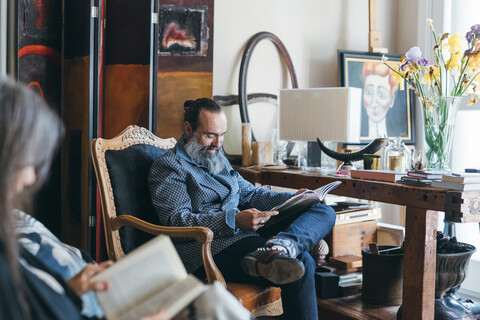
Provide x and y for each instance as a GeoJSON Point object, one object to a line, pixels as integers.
{"type": "Point", "coordinates": [324, 190]}
{"type": "Point", "coordinates": [308, 196]}
{"type": "Point", "coordinates": [300, 202]}
{"type": "Point", "coordinates": [306, 199]}
{"type": "Point", "coordinates": [146, 270]}
{"type": "Point", "coordinates": [173, 299]}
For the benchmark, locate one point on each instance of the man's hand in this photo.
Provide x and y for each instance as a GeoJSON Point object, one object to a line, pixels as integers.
{"type": "Point", "coordinates": [80, 283]}
{"type": "Point", "coordinates": [252, 219]}
{"type": "Point", "coordinates": [301, 191]}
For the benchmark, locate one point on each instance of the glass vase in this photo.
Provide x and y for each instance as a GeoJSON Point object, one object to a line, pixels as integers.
{"type": "Point", "coordinates": [439, 116]}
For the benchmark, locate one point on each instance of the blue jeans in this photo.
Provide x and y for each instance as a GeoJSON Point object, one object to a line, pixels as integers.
{"type": "Point", "coordinates": [305, 229]}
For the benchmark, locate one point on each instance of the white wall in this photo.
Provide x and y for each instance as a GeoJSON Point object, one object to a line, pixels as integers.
{"type": "Point", "coordinates": [311, 30]}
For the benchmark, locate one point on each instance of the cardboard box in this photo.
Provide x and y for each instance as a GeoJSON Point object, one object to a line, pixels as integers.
{"type": "Point", "coordinates": [348, 239]}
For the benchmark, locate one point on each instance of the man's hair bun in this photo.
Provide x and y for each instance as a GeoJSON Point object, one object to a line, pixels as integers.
{"type": "Point", "coordinates": [188, 104]}
{"type": "Point", "coordinates": [193, 107]}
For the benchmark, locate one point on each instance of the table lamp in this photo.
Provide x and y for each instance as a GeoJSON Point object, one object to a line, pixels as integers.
{"type": "Point", "coordinates": [329, 114]}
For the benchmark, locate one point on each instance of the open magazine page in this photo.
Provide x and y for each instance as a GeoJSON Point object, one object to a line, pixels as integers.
{"type": "Point", "coordinates": [301, 202]}
{"type": "Point", "coordinates": [307, 198]}
{"type": "Point", "coordinates": [148, 269]}
{"type": "Point", "coordinates": [304, 199]}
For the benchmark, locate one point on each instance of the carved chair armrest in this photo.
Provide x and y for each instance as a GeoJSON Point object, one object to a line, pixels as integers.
{"type": "Point", "coordinates": [202, 235]}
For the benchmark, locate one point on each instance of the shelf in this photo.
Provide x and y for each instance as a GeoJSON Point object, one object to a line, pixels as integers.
{"type": "Point", "coordinates": [352, 307]}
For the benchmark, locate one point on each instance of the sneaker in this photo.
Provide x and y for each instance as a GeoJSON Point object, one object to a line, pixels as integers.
{"type": "Point", "coordinates": [274, 265]}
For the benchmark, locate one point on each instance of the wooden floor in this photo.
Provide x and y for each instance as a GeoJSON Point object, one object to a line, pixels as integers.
{"type": "Point", "coordinates": [352, 307]}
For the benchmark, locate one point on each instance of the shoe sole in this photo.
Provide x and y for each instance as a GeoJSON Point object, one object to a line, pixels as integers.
{"type": "Point", "coordinates": [279, 271]}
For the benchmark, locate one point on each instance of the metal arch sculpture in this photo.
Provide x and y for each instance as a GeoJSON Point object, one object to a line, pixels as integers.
{"type": "Point", "coordinates": [247, 53]}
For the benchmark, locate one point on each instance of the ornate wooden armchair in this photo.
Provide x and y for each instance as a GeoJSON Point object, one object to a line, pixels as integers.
{"type": "Point", "coordinates": [121, 166]}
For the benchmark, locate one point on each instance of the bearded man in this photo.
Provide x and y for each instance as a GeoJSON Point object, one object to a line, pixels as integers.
{"type": "Point", "coordinates": [193, 184]}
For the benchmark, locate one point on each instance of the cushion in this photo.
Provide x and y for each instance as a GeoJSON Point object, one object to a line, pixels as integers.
{"type": "Point", "coordinates": [128, 170]}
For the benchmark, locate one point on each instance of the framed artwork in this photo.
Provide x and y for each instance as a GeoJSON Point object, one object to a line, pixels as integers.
{"type": "Point", "coordinates": [185, 60]}
{"type": "Point", "coordinates": [183, 30]}
{"type": "Point", "coordinates": [386, 110]}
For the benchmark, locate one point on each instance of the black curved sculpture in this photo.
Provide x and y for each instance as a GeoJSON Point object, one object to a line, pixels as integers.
{"type": "Point", "coordinates": [242, 81]}
{"type": "Point", "coordinates": [349, 157]}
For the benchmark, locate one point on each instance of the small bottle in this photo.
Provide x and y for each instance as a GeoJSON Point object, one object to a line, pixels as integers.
{"type": "Point", "coordinates": [383, 155]}
{"type": "Point", "coordinates": [279, 148]}
{"type": "Point", "coordinates": [418, 161]}
{"type": "Point", "coordinates": [397, 156]}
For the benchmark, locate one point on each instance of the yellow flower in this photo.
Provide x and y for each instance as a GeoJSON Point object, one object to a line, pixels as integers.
{"type": "Point", "coordinates": [454, 47]}
{"type": "Point", "coordinates": [454, 61]}
{"type": "Point", "coordinates": [399, 78]}
{"type": "Point", "coordinates": [473, 92]}
{"type": "Point", "coordinates": [455, 43]}
{"type": "Point", "coordinates": [473, 64]}
{"type": "Point", "coordinates": [473, 98]}
{"type": "Point", "coordinates": [430, 76]}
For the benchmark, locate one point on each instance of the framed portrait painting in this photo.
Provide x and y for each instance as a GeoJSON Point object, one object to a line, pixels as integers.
{"type": "Point", "coordinates": [386, 110]}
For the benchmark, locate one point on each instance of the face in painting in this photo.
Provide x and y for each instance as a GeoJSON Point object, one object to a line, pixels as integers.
{"type": "Point", "coordinates": [377, 96]}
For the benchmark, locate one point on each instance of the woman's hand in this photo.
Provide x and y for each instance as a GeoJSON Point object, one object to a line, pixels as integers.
{"type": "Point", "coordinates": [80, 283]}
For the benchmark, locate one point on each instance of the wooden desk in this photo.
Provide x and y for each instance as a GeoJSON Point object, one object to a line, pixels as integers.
{"type": "Point", "coordinates": [422, 204]}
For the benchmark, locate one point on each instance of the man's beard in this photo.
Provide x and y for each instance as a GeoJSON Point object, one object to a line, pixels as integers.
{"type": "Point", "coordinates": [199, 153]}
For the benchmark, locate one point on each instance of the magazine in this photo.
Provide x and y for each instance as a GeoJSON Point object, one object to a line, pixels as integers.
{"type": "Point", "coordinates": [301, 202]}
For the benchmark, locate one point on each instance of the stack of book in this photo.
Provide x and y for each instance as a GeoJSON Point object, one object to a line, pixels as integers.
{"type": "Point", "coordinates": [381, 175]}
{"type": "Point", "coordinates": [357, 215]}
{"type": "Point", "coordinates": [426, 174]}
{"type": "Point", "coordinates": [459, 181]}
{"type": "Point", "coordinates": [346, 262]}
{"type": "Point", "coordinates": [350, 284]}
{"type": "Point", "coordinates": [342, 265]}
{"type": "Point", "coordinates": [421, 177]}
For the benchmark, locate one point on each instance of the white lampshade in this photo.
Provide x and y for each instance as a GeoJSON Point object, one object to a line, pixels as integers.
{"type": "Point", "coordinates": [331, 114]}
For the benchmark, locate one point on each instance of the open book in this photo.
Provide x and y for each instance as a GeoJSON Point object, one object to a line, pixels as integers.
{"type": "Point", "coordinates": [301, 201]}
{"type": "Point", "coordinates": [150, 278]}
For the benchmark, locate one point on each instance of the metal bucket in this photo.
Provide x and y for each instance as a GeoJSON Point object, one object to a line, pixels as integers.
{"type": "Point", "coordinates": [382, 276]}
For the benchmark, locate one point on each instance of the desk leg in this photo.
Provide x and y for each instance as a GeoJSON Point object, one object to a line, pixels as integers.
{"type": "Point", "coordinates": [419, 264]}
